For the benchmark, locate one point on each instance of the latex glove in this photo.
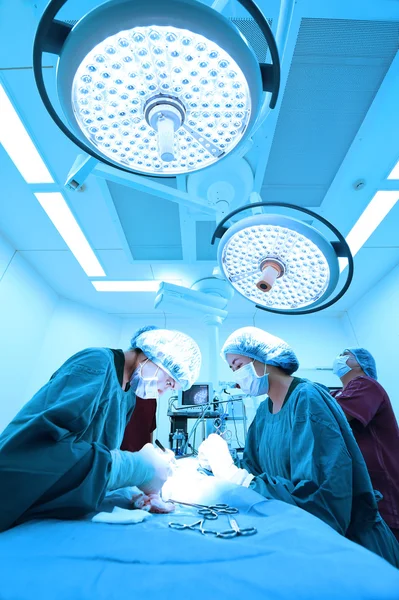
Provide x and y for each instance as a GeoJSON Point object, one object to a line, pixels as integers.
{"type": "Point", "coordinates": [168, 455]}
{"type": "Point", "coordinates": [203, 460]}
{"type": "Point", "coordinates": [152, 503]}
{"type": "Point", "coordinates": [215, 452]}
{"type": "Point", "coordinates": [159, 469]}
{"type": "Point", "coordinates": [157, 505]}
{"type": "Point", "coordinates": [147, 469]}
{"type": "Point", "coordinates": [139, 499]}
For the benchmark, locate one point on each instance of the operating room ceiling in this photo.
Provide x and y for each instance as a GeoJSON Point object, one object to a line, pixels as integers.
{"type": "Point", "coordinates": [335, 124]}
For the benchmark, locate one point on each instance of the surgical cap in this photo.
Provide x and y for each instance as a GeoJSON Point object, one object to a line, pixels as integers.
{"type": "Point", "coordinates": [365, 360]}
{"type": "Point", "coordinates": [261, 346]}
{"type": "Point", "coordinates": [173, 351]}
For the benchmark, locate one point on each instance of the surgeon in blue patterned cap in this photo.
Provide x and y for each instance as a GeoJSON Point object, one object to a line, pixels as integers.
{"type": "Point", "coordinates": [176, 357]}
{"type": "Point", "coordinates": [250, 351]}
{"type": "Point", "coordinates": [299, 447]}
{"type": "Point", "coordinates": [61, 454]}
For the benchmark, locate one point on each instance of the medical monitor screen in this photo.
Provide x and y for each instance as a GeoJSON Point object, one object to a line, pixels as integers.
{"type": "Point", "coordinates": [197, 395]}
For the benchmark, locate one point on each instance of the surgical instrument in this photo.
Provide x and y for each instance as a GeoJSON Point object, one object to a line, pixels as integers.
{"type": "Point", "coordinates": [210, 512]}
{"type": "Point", "coordinates": [238, 531]}
{"type": "Point", "coordinates": [199, 526]}
{"type": "Point", "coordinates": [158, 443]}
{"type": "Point", "coordinates": [235, 530]}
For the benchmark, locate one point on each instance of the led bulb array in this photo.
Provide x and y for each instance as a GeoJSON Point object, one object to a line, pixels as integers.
{"type": "Point", "coordinates": [117, 79]}
{"type": "Point", "coordinates": [306, 270]}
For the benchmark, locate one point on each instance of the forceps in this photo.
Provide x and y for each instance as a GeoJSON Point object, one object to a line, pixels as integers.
{"type": "Point", "coordinates": [236, 529]}
{"type": "Point", "coordinates": [210, 512]}
{"type": "Point", "coordinates": [226, 534]}
{"type": "Point", "coordinates": [199, 526]}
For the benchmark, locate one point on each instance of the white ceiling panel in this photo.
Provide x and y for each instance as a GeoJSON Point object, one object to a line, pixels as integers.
{"type": "Point", "coordinates": [371, 266]}
{"type": "Point", "coordinates": [337, 68]}
{"type": "Point", "coordinates": [336, 123]}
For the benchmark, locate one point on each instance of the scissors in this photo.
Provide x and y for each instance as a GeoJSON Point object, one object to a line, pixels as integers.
{"type": "Point", "coordinates": [210, 512]}
{"type": "Point", "coordinates": [226, 534]}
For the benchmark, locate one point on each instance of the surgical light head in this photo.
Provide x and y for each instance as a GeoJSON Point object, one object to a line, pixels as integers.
{"type": "Point", "coordinates": [281, 264]}
{"type": "Point", "coordinates": [278, 262]}
{"type": "Point", "coordinates": [160, 88]}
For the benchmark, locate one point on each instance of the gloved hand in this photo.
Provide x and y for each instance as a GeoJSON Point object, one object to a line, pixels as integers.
{"type": "Point", "coordinates": [153, 503]}
{"type": "Point", "coordinates": [147, 469]}
{"type": "Point", "coordinates": [168, 455]}
{"type": "Point", "coordinates": [214, 452]}
{"type": "Point", "coordinates": [158, 467]}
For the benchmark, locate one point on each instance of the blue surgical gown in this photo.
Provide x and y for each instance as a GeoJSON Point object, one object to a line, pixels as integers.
{"type": "Point", "coordinates": [306, 455]}
{"type": "Point", "coordinates": [55, 455]}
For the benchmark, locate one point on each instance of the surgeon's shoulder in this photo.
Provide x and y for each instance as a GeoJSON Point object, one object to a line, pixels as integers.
{"type": "Point", "coordinates": [92, 360]}
{"type": "Point", "coordinates": [364, 384]}
{"type": "Point", "coordinates": [310, 399]}
{"type": "Point", "coordinates": [305, 387]}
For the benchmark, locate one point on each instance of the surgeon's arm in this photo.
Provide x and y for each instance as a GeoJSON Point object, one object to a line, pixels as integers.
{"type": "Point", "coordinates": [361, 399]}
{"type": "Point", "coordinates": [48, 462]}
{"type": "Point", "coordinates": [147, 469]}
{"type": "Point", "coordinates": [81, 405]}
{"type": "Point", "coordinates": [321, 473]}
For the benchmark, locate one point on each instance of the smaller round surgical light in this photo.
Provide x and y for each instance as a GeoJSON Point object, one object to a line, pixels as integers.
{"type": "Point", "coordinates": [278, 262]}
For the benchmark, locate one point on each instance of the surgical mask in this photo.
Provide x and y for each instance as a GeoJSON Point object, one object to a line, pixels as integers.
{"type": "Point", "coordinates": [250, 382]}
{"type": "Point", "coordinates": [340, 368]}
{"type": "Point", "coordinates": [144, 387]}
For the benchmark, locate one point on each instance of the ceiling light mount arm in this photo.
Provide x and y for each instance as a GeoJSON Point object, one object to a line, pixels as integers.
{"type": "Point", "coordinates": [340, 247]}
{"type": "Point", "coordinates": [270, 72]}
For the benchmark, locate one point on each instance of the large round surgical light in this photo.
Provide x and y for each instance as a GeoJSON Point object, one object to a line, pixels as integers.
{"type": "Point", "coordinates": [153, 86]}
{"type": "Point", "coordinates": [161, 100]}
{"type": "Point", "coordinates": [280, 263]}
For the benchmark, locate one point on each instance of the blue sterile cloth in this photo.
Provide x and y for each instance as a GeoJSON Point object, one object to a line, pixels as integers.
{"type": "Point", "coordinates": [293, 555]}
